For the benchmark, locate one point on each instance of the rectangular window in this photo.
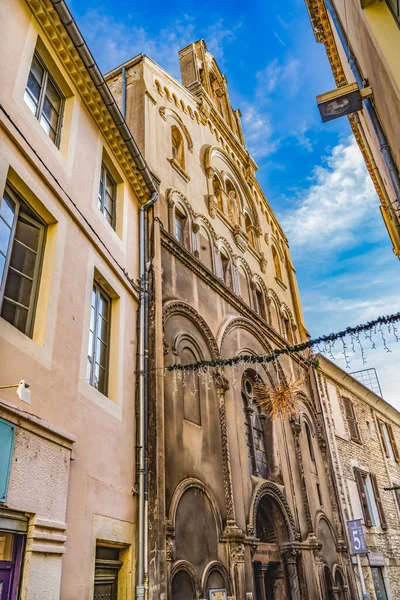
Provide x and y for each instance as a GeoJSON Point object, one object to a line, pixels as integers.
{"type": "Point", "coordinates": [21, 250]}
{"type": "Point", "coordinates": [394, 6]}
{"type": "Point", "coordinates": [319, 495]}
{"type": "Point", "coordinates": [107, 567]}
{"type": "Point", "coordinates": [44, 99]}
{"type": "Point", "coordinates": [99, 339]}
{"type": "Point", "coordinates": [107, 196]}
{"type": "Point", "coordinates": [351, 420]}
{"type": "Point", "coordinates": [370, 499]}
{"type": "Point", "coordinates": [379, 583]}
{"type": "Point", "coordinates": [388, 440]}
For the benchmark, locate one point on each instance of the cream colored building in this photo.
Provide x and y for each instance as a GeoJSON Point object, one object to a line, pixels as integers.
{"type": "Point", "coordinates": [363, 433]}
{"type": "Point", "coordinates": [240, 506]}
{"type": "Point", "coordinates": [70, 192]}
{"type": "Point", "coordinates": [364, 35]}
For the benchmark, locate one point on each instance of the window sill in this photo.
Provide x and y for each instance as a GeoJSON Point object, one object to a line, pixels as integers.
{"type": "Point", "coordinates": [280, 282]}
{"type": "Point", "coordinates": [175, 165]}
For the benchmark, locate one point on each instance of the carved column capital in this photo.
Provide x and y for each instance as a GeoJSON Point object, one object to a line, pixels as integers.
{"type": "Point", "coordinates": [221, 382]}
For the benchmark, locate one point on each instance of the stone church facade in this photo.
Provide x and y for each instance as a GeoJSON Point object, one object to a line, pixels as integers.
{"type": "Point", "coordinates": [240, 506]}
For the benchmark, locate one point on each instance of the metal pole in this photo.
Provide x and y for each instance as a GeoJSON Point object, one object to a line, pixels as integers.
{"type": "Point", "coordinates": [369, 105]}
{"type": "Point", "coordinates": [361, 576]}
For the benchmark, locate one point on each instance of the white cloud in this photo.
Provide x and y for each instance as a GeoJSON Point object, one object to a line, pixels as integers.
{"type": "Point", "coordinates": [340, 199]}
{"type": "Point", "coordinates": [258, 132]}
{"type": "Point", "coordinates": [278, 75]}
{"type": "Point", "coordinates": [112, 42]}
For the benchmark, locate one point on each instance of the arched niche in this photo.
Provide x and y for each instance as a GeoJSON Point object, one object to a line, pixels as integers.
{"type": "Point", "coordinates": [205, 247]}
{"type": "Point", "coordinates": [326, 535]}
{"type": "Point", "coordinates": [169, 114]}
{"type": "Point", "coordinates": [183, 582]}
{"type": "Point", "coordinates": [197, 524]}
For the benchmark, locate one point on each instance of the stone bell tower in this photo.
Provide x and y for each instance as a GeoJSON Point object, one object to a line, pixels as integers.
{"type": "Point", "coordinates": [202, 76]}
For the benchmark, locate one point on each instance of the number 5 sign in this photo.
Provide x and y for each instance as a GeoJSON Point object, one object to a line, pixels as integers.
{"type": "Point", "coordinates": [358, 543]}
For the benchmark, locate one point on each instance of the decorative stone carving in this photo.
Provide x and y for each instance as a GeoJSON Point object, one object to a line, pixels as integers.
{"type": "Point", "coordinates": [222, 385]}
{"type": "Point", "coordinates": [195, 227]}
{"type": "Point", "coordinates": [241, 238]}
{"type": "Point", "coordinates": [212, 206]}
{"type": "Point", "coordinates": [291, 555]}
{"type": "Point", "coordinates": [263, 263]}
{"type": "Point", "coordinates": [170, 549]}
{"type": "Point", "coordinates": [296, 429]}
{"type": "Point", "coordinates": [237, 552]}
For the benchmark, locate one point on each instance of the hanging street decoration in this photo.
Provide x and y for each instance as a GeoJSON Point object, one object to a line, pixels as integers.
{"type": "Point", "coordinates": [280, 401]}
{"type": "Point", "coordinates": [325, 344]}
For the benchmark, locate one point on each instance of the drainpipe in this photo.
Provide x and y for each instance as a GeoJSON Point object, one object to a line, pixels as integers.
{"type": "Point", "coordinates": [368, 103]}
{"type": "Point", "coordinates": [142, 374]}
{"type": "Point", "coordinates": [123, 99]}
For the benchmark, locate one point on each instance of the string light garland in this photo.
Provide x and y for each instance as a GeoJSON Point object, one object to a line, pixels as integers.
{"type": "Point", "coordinates": [328, 341]}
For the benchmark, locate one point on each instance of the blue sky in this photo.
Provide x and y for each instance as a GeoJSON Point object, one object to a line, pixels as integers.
{"type": "Point", "coordinates": [312, 173]}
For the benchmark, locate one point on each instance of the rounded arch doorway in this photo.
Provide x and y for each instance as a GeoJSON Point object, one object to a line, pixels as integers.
{"type": "Point", "coordinates": [275, 560]}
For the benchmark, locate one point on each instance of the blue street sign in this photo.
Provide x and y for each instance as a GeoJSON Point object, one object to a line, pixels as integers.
{"type": "Point", "coordinates": [356, 532]}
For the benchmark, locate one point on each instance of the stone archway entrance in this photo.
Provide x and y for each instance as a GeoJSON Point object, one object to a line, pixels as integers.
{"type": "Point", "coordinates": [275, 560]}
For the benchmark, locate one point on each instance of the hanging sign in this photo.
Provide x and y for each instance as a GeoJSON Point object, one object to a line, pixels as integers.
{"type": "Point", "coordinates": [356, 533]}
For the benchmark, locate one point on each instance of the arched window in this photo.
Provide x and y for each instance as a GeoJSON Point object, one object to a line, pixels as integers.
{"type": "Point", "coordinates": [205, 251]}
{"type": "Point", "coordinates": [309, 441]}
{"type": "Point", "coordinates": [182, 586]}
{"type": "Point", "coordinates": [249, 229]}
{"type": "Point", "coordinates": [277, 263]}
{"type": "Point", "coordinates": [226, 269]}
{"type": "Point", "coordinates": [259, 302]}
{"type": "Point", "coordinates": [218, 193]}
{"type": "Point", "coordinates": [244, 286]}
{"type": "Point", "coordinates": [254, 430]}
{"type": "Point", "coordinates": [215, 581]}
{"type": "Point", "coordinates": [190, 389]}
{"type": "Point", "coordinates": [178, 149]}
{"type": "Point", "coordinates": [182, 228]}
{"type": "Point", "coordinates": [287, 329]}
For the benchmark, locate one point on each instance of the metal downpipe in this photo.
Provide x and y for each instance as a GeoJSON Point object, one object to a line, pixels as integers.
{"type": "Point", "coordinates": [123, 99]}
{"type": "Point", "coordinates": [369, 105]}
{"type": "Point", "coordinates": [143, 400]}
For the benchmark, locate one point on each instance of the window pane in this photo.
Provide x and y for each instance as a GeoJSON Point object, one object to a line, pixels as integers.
{"type": "Point", "coordinates": [27, 233]}
{"type": "Point", "coordinates": [102, 329]}
{"type": "Point", "coordinates": [52, 96]}
{"type": "Point", "coordinates": [37, 70]}
{"type": "Point", "coordinates": [18, 288]}
{"type": "Point", "coordinates": [98, 348]}
{"type": "Point", "coordinates": [6, 546]}
{"type": "Point", "coordinates": [15, 315]}
{"type": "Point", "coordinates": [7, 209]}
{"type": "Point", "coordinates": [2, 263]}
{"type": "Point", "coordinates": [5, 233]}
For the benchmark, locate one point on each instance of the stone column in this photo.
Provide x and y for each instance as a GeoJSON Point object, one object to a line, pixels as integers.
{"type": "Point", "coordinates": [222, 385]}
{"type": "Point", "coordinates": [296, 429]}
{"type": "Point", "coordinates": [291, 555]}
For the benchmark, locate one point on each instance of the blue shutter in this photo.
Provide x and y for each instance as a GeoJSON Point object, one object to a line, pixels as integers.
{"type": "Point", "coordinates": [7, 432]}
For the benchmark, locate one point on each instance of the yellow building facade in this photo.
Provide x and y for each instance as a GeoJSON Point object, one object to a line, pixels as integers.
{"type": "Point", "coordinates": [365, 36]}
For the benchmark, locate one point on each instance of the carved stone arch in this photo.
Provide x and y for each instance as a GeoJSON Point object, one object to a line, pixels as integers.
{"type": "Point", "coordinates": [170, 112]}
{"type": "Point", "coordinates": [241, 181]}
{"type": "Point", "coordinates": [187, 484]}
{"type": "Point", "coordinates": [289, 314]}
{"type": "Point", "coordinates": [274, 296]}
{"type": "Point", "coordinates": [271, 490]}
{"type": "Point", "coordinates": [184, 565]}
{"type": "Point", "coordinates": [251, 327]}
{"type": "Point", "coordinates": [311, 416]}
{"type": "Point", "coordinates": [181, 338]}
{"type": "Point", "coordinates": [243, 323]}
{"type": "Point", "coordinates": [179, 307]}
{"type": "Point", "coordinates": [215, 565]}
{"type": "Point", "coordinates": [171, 192]}
{"type": "Point", "coordinates": [322, 516]}
{"type": "Point", "coordinates": [202, 220]}
{"type": "Point", "coordinates": [223, 242]}
{"type": "Point", "coordinates": [338, 569]}
{"type": "Point", "coordinates": [260, 281]}
{"type": "Point", "coordinates": [240, 261]}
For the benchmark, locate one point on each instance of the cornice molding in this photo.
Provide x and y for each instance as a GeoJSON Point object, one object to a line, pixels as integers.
{"type": "Point", "coordinates": [66, 53]}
